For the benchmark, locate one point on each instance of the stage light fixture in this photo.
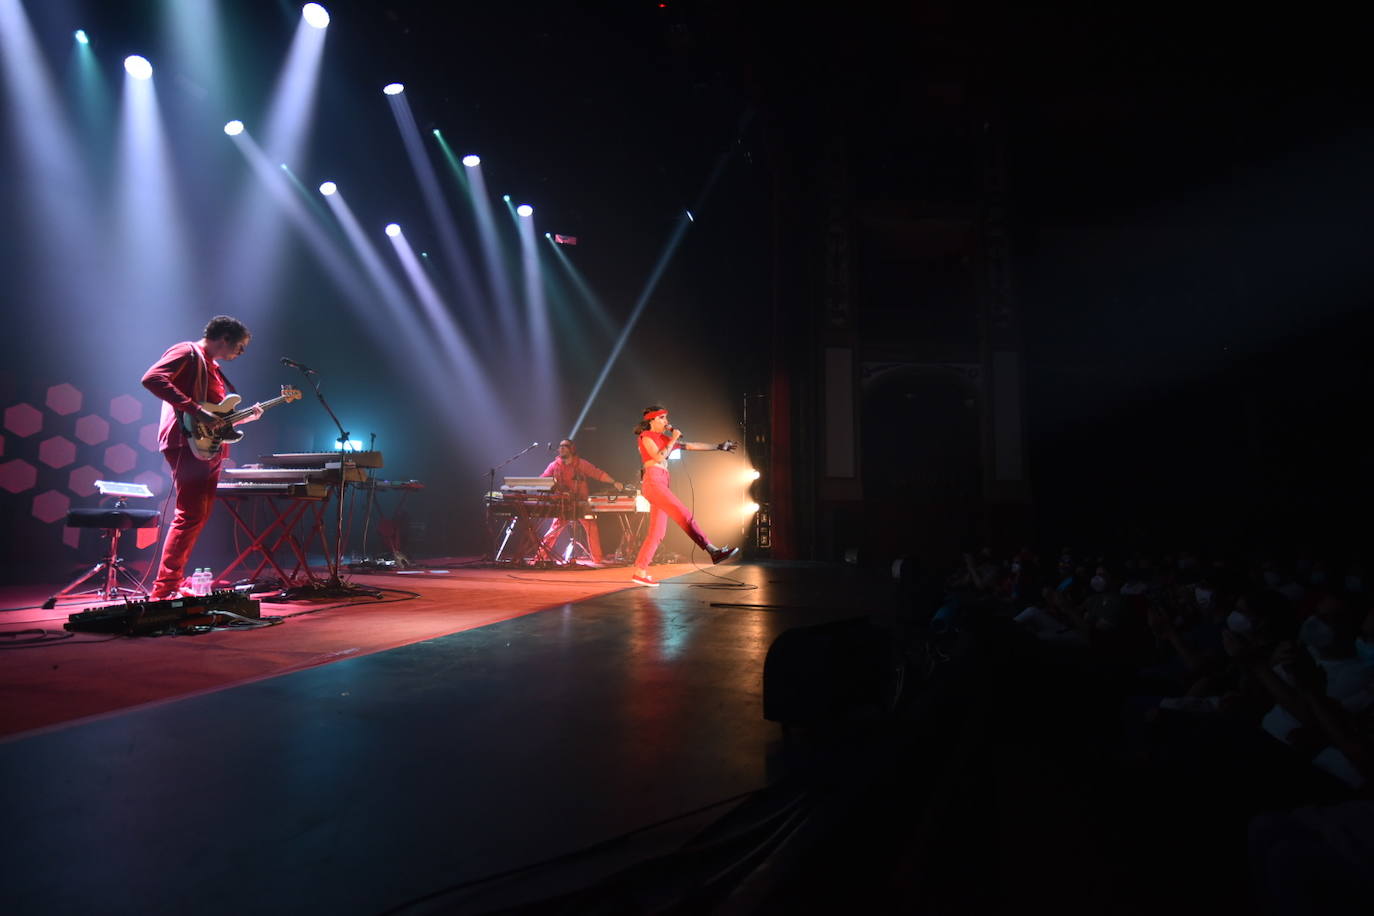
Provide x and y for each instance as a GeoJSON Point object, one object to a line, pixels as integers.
{"type": "Point", "coordinates": [471, 160]}
{"type": "Point", "coordinates": [506, 198]}
{"type": "Point", "coordinates": [549, 236]}
{"type": "Point", "coordinates": [328, 188]}
{"type": "Point", "coordinates": [233, 128]}
{"type": "Point", "coordinates": [394, 88]}
{"type": "Point", "coordinates": [393, 230]}
{"type": "Point", "coordinates": [690, 217]}
{"type": "Point", "coordinates": [315, 15]}
{"type": "Point", "coordinates": [81, 37]}
{"type": "Point", "coordinates": [138, 67]}
{"type": "Point", "coordinates": [750, 508]}
{"type": "Point", "coordinates": [525, 210]}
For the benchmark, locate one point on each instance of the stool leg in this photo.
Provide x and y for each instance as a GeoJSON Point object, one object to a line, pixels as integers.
{"type": "Point", "coordinates": [109, 570]}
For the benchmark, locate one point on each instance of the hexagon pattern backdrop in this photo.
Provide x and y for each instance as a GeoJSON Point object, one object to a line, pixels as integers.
{"type": "Point", "coordinates": [54, 445]}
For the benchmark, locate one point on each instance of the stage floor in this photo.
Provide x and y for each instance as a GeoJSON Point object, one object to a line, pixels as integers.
{"type": "Point", "coordinates": [353, 758]}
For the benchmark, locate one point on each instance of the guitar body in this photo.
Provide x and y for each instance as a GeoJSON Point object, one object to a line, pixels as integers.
{"type": "Point", "coordinates": [206, 439]}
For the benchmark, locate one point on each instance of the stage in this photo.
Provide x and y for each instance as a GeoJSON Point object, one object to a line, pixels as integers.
{"type": "Point", "coordinates": [357, 758]}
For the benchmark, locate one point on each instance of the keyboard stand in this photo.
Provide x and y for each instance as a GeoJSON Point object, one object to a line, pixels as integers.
{"type": "Point", "coordinates": [283, 526]}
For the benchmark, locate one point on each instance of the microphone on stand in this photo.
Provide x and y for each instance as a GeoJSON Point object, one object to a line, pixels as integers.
{"type": "Point", "coordinates": [295, 365]}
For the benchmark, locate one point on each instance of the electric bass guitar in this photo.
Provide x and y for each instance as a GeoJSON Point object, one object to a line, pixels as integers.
{"type": "Point", "coordinates": [205, 438]}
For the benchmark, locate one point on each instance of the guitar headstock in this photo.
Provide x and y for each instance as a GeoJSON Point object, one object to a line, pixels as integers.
{"type": "Point", "coordinates": [290, 394]}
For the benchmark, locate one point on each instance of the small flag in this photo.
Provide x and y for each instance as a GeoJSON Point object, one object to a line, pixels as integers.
{"type": "Point", "coordinates": [565, 239]}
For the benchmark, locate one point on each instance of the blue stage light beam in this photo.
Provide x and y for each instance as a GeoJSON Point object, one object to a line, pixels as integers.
{"type": "Point", "coordinates": [502, 299]}
{"type": "Point", "coordinates": [654, 276]}
{"type": "Point", "coordinates": [450, 240]}
{"type": "Point", "coordinates": [252, 267]}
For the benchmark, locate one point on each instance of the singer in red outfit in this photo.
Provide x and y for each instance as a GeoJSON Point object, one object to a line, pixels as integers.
{"type": "Point", "coordinates": [571, 472]}
{"type": "Point", "coordinates": [657, 440]}
{"type": "Point", "coordinates": [187, 376]}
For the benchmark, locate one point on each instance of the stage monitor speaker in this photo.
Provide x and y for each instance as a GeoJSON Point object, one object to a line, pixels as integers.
{"type": "Point", "coordinates": [139, 618]}
{"type": "Point", "coordinates": [832, 672]}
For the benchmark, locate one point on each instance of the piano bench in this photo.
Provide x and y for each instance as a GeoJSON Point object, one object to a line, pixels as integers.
{"type": "Point", "coordinates": [114, 519]}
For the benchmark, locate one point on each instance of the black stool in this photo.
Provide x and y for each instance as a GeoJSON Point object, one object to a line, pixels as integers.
{"type": "Point", "coordinates": [111, 567]}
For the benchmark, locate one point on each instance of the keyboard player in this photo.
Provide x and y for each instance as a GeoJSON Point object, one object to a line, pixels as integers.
{"type": "Point", "coordinates": [571, 473]}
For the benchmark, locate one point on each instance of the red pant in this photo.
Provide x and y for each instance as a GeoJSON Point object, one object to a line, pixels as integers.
{"type": "Point", "coordinates": [195, 482]}
{"type": "Point", "coordinates": [588, 525]}
{"type": "Point", "coordinates": [664, 504]}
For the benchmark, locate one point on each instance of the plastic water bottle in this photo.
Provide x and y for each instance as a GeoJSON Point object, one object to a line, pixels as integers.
{"type": "Point", "coordinates": [207, 582]}
{"type": "Point", "coordinates": [198, 582]}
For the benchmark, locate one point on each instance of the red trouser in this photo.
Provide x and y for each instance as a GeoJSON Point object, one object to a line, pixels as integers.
{"type": "Point", "coordinates": [195, 482]}
{"type": "Point", "coordinates": [593, 544]}
{"type": "Point", "coordinates": [663, 504]}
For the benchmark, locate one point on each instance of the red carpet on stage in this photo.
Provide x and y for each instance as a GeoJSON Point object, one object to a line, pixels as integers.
{"type": "Point", "coordinates": [46, 679]}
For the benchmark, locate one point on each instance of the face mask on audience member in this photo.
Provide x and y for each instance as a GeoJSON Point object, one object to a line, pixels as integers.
{"type": "Point", "coordinates": [1237, 622]}
{"type": "Point", "coordinates": [1364, 649]}
{"type": "Point", "coordinates": [1272, 579]}
{"type": "Point", "coordinates": [1203, 597]}
{"type": "Point", "coordinates": [1098, 583]}
{"type": "Point", "coordinates": [1316, 634]}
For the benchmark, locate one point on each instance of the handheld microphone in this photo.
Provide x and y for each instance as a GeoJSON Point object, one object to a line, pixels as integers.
{"type": "Point", "coordinates": [295, 365]}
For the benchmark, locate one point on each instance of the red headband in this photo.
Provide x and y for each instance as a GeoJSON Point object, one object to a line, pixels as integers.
{"type": "Point", "coordinates": [649, 415]}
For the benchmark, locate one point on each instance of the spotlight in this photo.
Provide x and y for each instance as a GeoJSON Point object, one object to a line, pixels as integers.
{"type": "Point", "coordinates": [393, 230]}
{"type": "Point", "coordinates": [549, 236]}
{"type": "Point", "coordinates": [394, 88]}
{"type": "Point", "coordinates": [81, 37]}
{"type": "Point", "coordinates": [754, 474]}
{"type": "Point", "coordinates": [749, 508]}
{"type": "Point", "coordinates": [748, 476]}
{"type": "Point", "coordinates": [315, 15]}
{"type": "Point", "coordinates": [525, 210]}
{"type": "Point", "coordinates": [690, 217]}
{"type": "Point", "coordinates": [506, 198]}
{"type": "Point", "coordinates": [328, 188]}
{"type": "Point", "coordinates": [471, 160]}
{"type": "Point", "coordinates": [233, 128]}
{"type": "Point", "coordinates": [138, 67]}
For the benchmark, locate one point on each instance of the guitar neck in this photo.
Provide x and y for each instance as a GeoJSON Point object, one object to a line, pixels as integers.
{"type": "Point", "coordinates": [240, 414]}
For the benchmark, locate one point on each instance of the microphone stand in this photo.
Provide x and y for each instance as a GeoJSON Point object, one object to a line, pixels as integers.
{"type": "Point", "coordinates": [491, 487]}
{"type": "Point", "coordinates": [336, 586]}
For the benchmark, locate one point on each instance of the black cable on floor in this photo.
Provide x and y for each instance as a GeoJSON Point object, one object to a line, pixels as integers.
{"type": "Point", "coordinates": [588, 850]}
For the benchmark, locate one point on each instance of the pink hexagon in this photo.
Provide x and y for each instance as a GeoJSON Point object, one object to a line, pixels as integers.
{"type": "Point", "coordinates": [147, 437]}
{"type": "Point", "coordinates": [64, 399]}
{"type": "Point", "coordinates": [17, 476]}
{"type": "Point", "coordinates": [50, 505]}
{"type": "Point", "coordinates": [23, 420]}
{"type": "Point", "coordinates": [82, 480]}
{"type": "Point", "coordinates": [126, 408]}
{"type": "Point", "coordinates": [92, 430]}
{"type": "Point", "coordinates": [2, 445]}
{"type": "Point", "coordinates": [154, 481]}
{"type": "Point", "coordinates": [120, 458]}
{"type": "Point", "coordinates": [57, 452]}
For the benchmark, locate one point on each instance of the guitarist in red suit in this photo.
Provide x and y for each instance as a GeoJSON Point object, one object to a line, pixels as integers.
{"type": "Point", "coordinates": [187, 376]}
